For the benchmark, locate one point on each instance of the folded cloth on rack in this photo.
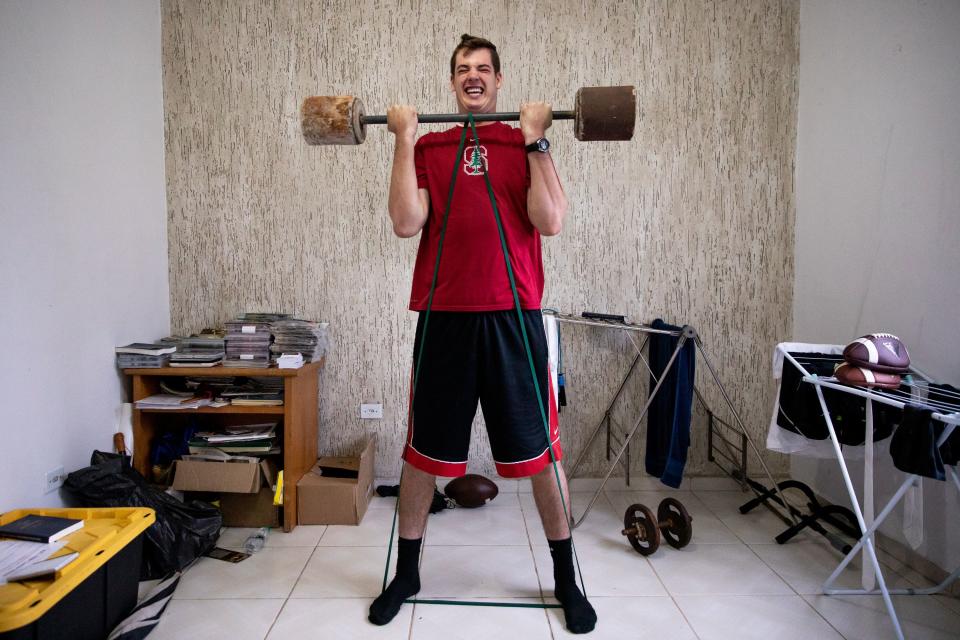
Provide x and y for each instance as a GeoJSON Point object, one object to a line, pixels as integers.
{"type": "Point", "coordinates": [668, 419]}
{"type": "Point", "coordinates": [950, 450]}
{"type": "Point", "coordinates": [945, 394]}
{"type": "Point", "coordinates": [800, 347]}
{"type": "Point", "coordinates": [797, 425]}
{"type": "Point", "coordinates": [551, 327]}
{"type": "Point", "coordinates": [914, 445]}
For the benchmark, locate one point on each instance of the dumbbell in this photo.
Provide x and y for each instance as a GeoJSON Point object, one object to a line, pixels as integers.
{"type": "Point", "coordinates": [643, 530]}
{"type": "Point", "coordinates": [600, 113]}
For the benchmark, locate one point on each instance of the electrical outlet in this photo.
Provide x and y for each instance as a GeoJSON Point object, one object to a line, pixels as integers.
{"type": "Point", "coordinates": [372, 411]}
{"type": "Point", "coordinates": [53, 480]}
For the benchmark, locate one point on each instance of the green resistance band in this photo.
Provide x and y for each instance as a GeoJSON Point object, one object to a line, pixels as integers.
{"type": "Point", "coordinates": [533, 374]}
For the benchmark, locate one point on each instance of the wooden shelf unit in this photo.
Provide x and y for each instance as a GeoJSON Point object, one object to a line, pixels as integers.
{"type": "Point", "coordinates": [299, 415]}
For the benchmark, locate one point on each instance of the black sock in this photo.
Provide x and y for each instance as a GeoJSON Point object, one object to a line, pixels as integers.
{"type": "Point", "coordinates": [580, 616]}
{"type": "Point", "coordinates": [405, 584]}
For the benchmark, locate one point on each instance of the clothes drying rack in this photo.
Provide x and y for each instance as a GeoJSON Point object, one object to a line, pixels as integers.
{"type": "Point", "coordinates": [946, 411]}
{"type": "Point", "coordinates": [619, 441]}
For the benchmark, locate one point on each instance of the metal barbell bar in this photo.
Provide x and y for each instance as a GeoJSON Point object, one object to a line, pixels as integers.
{"type": "Point", "coordinates": [600, 113]}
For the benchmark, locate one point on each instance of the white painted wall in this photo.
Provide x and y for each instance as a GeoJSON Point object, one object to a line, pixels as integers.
{"type": "Point", "coordinates": [878, 204]}
{"type": "Point", "coordinates": [83, 249]}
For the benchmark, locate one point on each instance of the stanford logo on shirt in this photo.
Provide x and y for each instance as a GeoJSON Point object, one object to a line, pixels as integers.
{"type": "Point", "coordinates": [475, 160]}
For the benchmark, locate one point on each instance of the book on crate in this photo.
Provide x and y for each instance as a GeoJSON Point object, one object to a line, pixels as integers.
{"type": "Point", "coordinates": [42, 569]}
{"type": "Point", "coordinates": [37, 528]}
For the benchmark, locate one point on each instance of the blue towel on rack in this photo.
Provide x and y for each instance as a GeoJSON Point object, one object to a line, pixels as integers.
{"type": "Point", "coordinates": [668, 420]}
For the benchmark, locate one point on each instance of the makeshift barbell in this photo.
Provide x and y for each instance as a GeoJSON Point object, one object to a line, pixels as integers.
{"type": "Point", "coordinates": [600, 113]}
{"type": "Point", "coordinates": [643, 529]}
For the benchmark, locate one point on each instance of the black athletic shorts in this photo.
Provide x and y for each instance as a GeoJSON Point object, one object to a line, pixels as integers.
{"type": "Point", "coordinates": [480, 356]}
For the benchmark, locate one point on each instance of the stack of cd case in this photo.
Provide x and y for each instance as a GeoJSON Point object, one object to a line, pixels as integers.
{"type": "Point", "coordinates": [247, 343]}
{"type": "Point", "coordinates": [141, 355]}
{"type": "Point", "coordinates": [305, 337]}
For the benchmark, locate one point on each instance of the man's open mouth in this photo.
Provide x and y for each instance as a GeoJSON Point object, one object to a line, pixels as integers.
{"type": "Point", "coordinates": [473, 91]}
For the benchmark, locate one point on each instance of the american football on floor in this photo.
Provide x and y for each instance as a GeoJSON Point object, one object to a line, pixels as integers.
{"type": "Point", "coordinates": [471, 490]}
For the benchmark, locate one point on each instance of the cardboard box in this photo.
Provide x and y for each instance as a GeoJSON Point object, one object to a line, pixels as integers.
{"type": "Point", "coordinates": [324, 496]}
{"type": "Point", "coordinates": [249, 509]}
{"type": "Point", "coordinates": [241, 476]}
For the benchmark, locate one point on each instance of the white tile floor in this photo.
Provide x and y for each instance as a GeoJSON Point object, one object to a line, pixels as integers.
{"type": "Point", "coordinates": [732, 582]}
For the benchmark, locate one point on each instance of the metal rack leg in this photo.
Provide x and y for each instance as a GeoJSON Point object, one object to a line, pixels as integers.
{"type": "Point", "coordinates": [890, 506]}
{"type": "Point", "coordinates": [629, 436]}
{"type": "Point", "coordinates": [866, 540]}
{"type": "Point", "coordinates": [606, 418]}
{"type": "Point", "coordinates": [743, 429]}
{"type": "Point", "coordinates": [860, 543]}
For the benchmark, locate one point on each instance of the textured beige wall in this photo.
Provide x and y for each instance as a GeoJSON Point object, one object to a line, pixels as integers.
{"type": "Point", "coordinates": [691, 221]}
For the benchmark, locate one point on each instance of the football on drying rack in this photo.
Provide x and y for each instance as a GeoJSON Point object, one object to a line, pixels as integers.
{"type": "Point", "coordinates": [878, 352]}
{"type": "Point", "coordinates": [862, 377]}
{"type": "Point", "coordinates": [471, 490]}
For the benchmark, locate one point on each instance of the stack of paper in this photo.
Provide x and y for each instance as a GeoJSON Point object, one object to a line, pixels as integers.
{"type": "Point", "coordinates": [15, 555]}
{"type": "Point", "coordinates": [256, 392]}
{"type": "Point", "coordinates": [170, 401]}
{"type": "Point", "coordinates": [290, 361]}
{"type": "Point", "coordinates": [250, 438]}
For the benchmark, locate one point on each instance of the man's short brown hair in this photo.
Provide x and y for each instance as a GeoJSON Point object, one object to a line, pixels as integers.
{"type": "Point", "coordinates": [471, 43]}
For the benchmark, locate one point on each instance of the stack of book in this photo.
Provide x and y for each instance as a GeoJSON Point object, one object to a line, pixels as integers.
{"type": "Point", "coordinates": [248, 340]}
{"type": "Point", "coordinates": [27, 544]}
{"type": "Point", "coordinates": [143, 355]}
{"type": "Point", "coordinates": [305, 337]}
{"type": "Point", "coordinates": [251, 438]}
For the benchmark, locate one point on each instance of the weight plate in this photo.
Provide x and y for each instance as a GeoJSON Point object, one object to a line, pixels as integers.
{"type": "Point", "coordinates": [640, 527]}
{"type": "Point", "coordinates": [605, 113]}
{"type": "Point", "coordinates": [675, 521]}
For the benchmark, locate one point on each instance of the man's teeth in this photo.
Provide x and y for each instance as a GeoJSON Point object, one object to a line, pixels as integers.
{"type": "Point", "coordinates": [474, 91]}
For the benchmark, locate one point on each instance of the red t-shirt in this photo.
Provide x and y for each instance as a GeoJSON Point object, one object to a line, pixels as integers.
{"type": "Point", "coordinates": [473, 276]}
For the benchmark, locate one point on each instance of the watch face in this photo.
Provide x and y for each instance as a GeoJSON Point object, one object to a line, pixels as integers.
{"type": "Point", "coordinates": [543, 145]}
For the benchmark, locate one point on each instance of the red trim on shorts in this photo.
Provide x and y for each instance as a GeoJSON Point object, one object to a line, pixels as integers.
{"type": "Point", "coordinates": [528, 468]}
{"type": "Point", "coordinates": [434, 467]}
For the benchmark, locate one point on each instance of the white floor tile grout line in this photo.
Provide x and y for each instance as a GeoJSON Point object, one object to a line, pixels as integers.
{"type": "Point", "coordinates": [803, 597]}
{"type": "Point", "coordinates": [423, 552]}
{"type": "Point", "coordinates": [668, 592]}
{"type": "Point", "coordinates": [294, 586]}
{"type": "Point", "coordinates": [527, 507]}
{"type": "Point", "coordinates": [536, 569]}
{"type": "Point", "coordinates": [791, 587]}
{"type": "Point", "coordinates": [277, 617]}
{"type": "Point", "coordinates": [883, 557]}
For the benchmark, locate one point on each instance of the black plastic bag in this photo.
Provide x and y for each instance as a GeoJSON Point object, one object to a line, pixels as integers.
{"type": "Point", "coordinates": [182, 532]}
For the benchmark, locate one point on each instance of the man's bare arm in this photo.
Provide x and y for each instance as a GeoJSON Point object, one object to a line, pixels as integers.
{"type": "Point", "coordinates": [408, 206]}
{"type": "Point", "coordinates": [546, 201]}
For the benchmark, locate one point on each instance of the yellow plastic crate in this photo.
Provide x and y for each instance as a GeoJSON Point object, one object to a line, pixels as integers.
{"type": "Point", "coordinates": [105, 533]}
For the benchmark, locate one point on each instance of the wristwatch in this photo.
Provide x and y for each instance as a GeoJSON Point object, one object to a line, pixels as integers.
{"type": "Point", "coordinates": [540, 144]}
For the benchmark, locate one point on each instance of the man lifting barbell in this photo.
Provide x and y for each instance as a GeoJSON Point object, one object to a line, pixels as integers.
{"type": "Point", "coordinates": [475, 349]}
{"type": "Point", "coordinates": [486, 340]}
